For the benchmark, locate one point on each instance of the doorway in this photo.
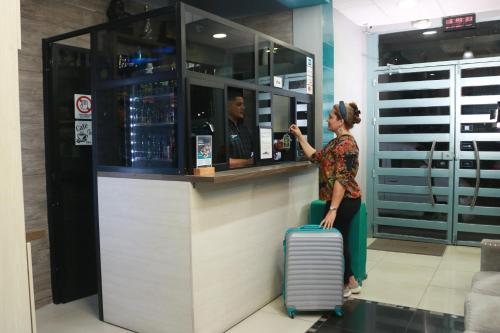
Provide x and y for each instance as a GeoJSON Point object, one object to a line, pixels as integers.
{"type": "Point", "coordinates": [436, 158]}
{"type": "Point", "coordinates": [69, 170]}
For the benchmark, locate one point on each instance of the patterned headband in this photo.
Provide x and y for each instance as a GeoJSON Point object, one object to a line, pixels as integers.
{"type": "Point", "coordinates": [342, 110]}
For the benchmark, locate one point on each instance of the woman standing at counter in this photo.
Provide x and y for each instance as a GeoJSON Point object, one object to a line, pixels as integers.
{"type": "Point", "coordinates": [339, 162]}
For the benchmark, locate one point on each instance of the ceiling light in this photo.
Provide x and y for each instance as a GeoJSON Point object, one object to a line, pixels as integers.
{"type": "Point", "coordinates": [407, 3]}
{"type": "Point", "coordinates": [468, 54]}
{"type": "Point", "coordinates": [429, 32]}
{"type": "Point", "coordinates": [421, 24]}
{"type": "Point", "coordinates": [219, 36]}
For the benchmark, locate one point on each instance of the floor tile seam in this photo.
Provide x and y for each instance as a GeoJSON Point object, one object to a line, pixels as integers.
{"type": "Point", "coordinates": [374, 265]}
{"type": "Point", "coordinates": [445, 287]}
{"type": "Point", "coordinates": [454, 270]}
{"type": "Point", "coordinates": [410, 284]}
{"type": "Point", "coordinates": [461, 270]}
{"type": "Point", "coordinates": [460, 289]}
{"type": "Point", "coordinates": [417, 265]}
{"type": "Point", "coordinates": [453, 259]}
{"type": "Point", "coordinates": [427, 287]}
{"type": "Point", "coordinates": [386, 275]}
{"type": "Point", "coordinates": [451, 270]}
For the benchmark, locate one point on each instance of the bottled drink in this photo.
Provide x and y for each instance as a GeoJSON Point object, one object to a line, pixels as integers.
{"type": "Point", "coordinates": [149, 152]}
{"type": "Point", "coordinates": [142, 146]}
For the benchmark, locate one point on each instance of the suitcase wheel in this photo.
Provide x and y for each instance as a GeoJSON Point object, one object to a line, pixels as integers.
{"type": "Point", "coordinates": [291, 313]}
{"type": "Point", "coordinates": [339, 312]}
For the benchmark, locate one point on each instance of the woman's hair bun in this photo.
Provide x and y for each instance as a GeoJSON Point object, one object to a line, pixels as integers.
{"type": "Point", "coordinates": [356, 119]}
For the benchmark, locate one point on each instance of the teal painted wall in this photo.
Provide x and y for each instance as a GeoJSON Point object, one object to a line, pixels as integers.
{"type": "Point", "coordinates": [328, 93]}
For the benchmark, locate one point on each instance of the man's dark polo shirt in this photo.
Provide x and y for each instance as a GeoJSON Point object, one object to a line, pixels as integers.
{"type": "Point", "coordinates": [240, 141]}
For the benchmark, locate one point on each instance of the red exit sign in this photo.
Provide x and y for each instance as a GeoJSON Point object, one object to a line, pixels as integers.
{"type": "Point", "coordinates": [460, 22]}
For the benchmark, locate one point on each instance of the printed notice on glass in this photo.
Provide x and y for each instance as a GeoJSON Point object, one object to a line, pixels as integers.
{"type": "Point", "coordinates": [309, 75]}
{"type": "Point", "coordinates": [266, 142]}
{"type": "Point", "coordinates": [278, 82]}
{"type": "Point", "coordinates": [83, 133]}
{"type": "Point", "coordinates": [203, 151]}
{"type": "Point", "coordinates": [83, 106]}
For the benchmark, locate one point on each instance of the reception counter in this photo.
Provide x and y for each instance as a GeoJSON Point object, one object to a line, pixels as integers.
{"type": "Point", "coordinates": [197, 254]}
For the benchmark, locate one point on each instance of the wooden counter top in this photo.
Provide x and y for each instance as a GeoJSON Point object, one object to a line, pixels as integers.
{"type": "Point", "coordinates": [221, 176]}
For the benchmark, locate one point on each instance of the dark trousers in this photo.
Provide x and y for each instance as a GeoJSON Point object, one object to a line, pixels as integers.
{"type": "Point", "coordinates": [345, 212]}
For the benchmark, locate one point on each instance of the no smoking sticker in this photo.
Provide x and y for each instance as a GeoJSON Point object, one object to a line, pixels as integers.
{"type": "Point", "coordinates": [83, 106]}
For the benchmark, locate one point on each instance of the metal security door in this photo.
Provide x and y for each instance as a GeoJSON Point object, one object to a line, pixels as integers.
{"type": "Point", "coordinates": [477, 168]}
{"type": "Point", "coordinates": [413, 153]}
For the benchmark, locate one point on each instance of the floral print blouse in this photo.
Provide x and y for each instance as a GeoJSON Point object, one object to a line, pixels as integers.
{"type": "Point", "coordinates": [339, 161]}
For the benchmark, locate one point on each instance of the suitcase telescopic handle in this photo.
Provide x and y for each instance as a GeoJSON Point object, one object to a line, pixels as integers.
{"type": "Point", "coordinates": [310, 227]}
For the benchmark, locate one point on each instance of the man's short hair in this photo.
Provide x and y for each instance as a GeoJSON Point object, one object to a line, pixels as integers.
{"type": "Point", "coordinates": [233, 93]}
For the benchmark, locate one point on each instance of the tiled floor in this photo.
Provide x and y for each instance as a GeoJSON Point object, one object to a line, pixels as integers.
{"type": "Point", "coordinates": [417, 281]}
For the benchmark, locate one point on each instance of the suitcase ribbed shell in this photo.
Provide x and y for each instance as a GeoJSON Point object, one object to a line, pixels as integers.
{"type": "Point", "coordinates": [314, 270]}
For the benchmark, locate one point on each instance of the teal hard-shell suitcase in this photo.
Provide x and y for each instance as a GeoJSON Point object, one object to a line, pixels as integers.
{"type": "Point", "coordinates": [313, 277]}
{"type": "Point", "coordinates": [357, 236]}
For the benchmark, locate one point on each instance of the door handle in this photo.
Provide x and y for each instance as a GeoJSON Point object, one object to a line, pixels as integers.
{"type": "Point", "coordinates": [447, 156]}
{"type": "Point", "coordinates": [429, 172]}
{"type": "Point", "coordinates": [478, 174]}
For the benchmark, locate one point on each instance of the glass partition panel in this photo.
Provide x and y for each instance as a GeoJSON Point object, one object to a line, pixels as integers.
{"type": "Point", "coordinates": [208, 117]}
{"type": "Point", "coordinates": [290, 65]}
{"type": "Point", "coordinates": [137, 49]}
{"type": "Point", "coordinates": [281, 121]}
{"type": "Point", "coordinates": [138, 125]}
{"type": "Point", "coordinates": [241, 112]}
{"type": "Point", "coordinates": [216, 49]}
{"type": "Point", "coordinates": [264, 65]}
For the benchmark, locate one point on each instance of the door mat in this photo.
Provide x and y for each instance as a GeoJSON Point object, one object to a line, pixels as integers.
{"type": "Point", "coordinates": [430, 249]}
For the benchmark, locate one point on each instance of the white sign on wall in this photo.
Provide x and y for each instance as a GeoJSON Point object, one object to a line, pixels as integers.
{"type": "Point", "coordinates": [309, 75]}
{"type": "Point", "coordinates": [83, 106]}
{"type": "Point", "coordinates": [278, 82]}
{"type": "Point", "coordinates": [83, 133]}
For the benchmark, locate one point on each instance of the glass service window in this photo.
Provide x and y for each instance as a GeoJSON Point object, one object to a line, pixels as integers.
{"type": "Point", "coordinates": [216, 49]}
{"type": "Point", "coordinates": [281, 121]}
{"type": "Point", "coordinates": [241, 113]}
{"type": "Point", "coordinates": [208, 118]}
{"type": "Point", "coordinates": [290, 65]}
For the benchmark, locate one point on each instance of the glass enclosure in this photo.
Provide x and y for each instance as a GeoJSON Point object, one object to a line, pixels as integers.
{"type": "Point", "coordinates": [152, 104]}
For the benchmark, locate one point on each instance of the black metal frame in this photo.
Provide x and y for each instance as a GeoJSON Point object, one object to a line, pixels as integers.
{"type": "Point", "coordinates": [47, 107]}
{"type": "Point", "coordinates": [47, 88]}
{"type": "Point", "coordinates": [183, 76]}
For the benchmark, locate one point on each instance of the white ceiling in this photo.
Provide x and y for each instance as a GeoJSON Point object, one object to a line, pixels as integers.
{"type": "Point", "coordinates": [383, 12]}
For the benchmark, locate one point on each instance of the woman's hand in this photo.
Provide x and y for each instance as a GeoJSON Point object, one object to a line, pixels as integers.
{"type": "Point", "coordinates": [327, 222]}
{"type": "Point", "coordinates": [295, 130]}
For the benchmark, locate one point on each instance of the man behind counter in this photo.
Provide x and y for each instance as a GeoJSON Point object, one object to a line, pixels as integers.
{"type": "Point", "coordinates": [240, 139]}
